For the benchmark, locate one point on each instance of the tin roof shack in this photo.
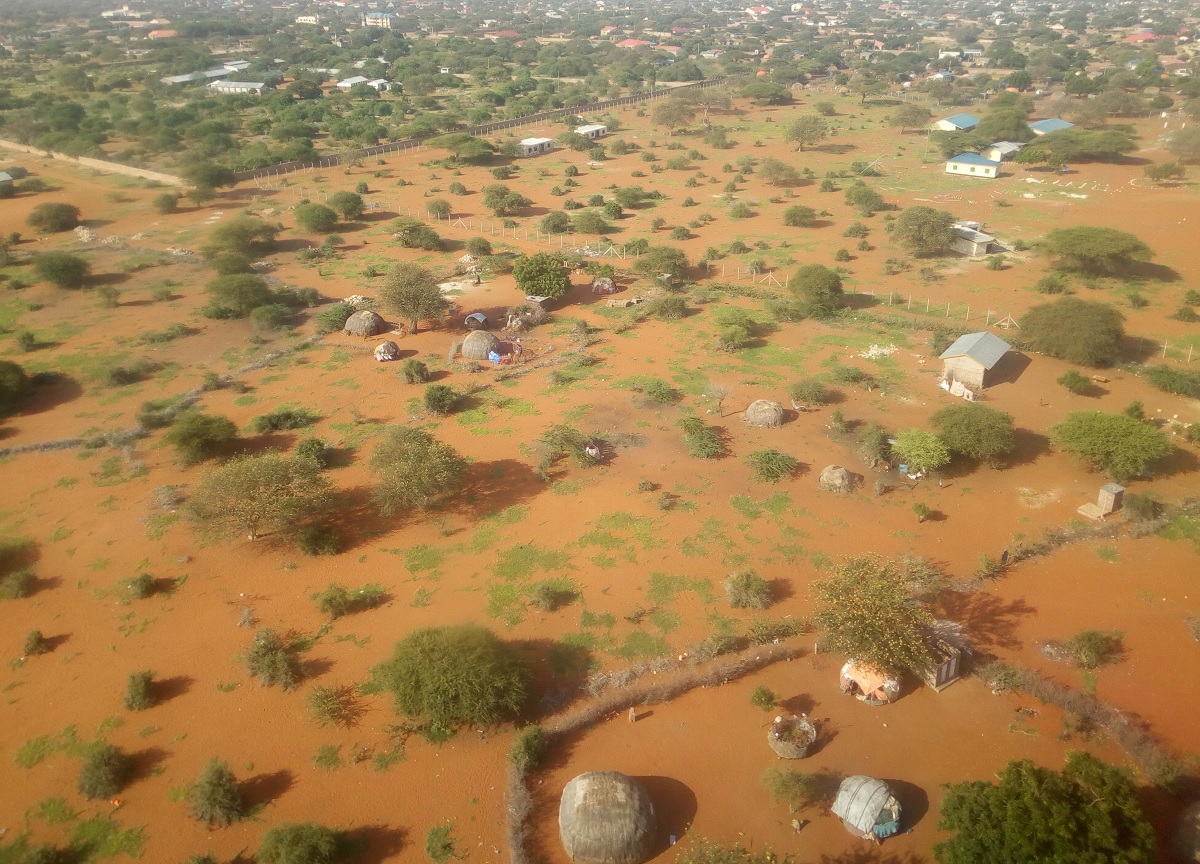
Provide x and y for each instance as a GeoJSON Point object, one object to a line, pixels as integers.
{"type": "Point", "coordinates": [969, 240]}
{"type": "Point", "coordinates": [971, 357]}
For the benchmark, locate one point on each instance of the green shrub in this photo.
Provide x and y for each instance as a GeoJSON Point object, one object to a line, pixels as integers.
{"type": "Point", "coordinates": [547, 596]}
{"type": "Point", "coordinates": [305, 843]}
{"type": "Point", "coordinates": [271, 316]}
{"type": "Point", "coordinates": [216, 799]}
{"type": "Point", "coordinates": [700, 440]}
{"type": "Point", "coordinates": [316, 217]}
{"type": "Point", "coordinates": [197, 436]}
{"type": "Point", "coordinates": [810, 391]}
{"type": "Point", "coordinates": [669, 307]}
{"type": "Point", "coordinates": [1075, 382]}
{"type": "Point", "coordinates": [334, 318]}
{"type": "Point", "coordinates": [35, 644]}
{"type": "Point", "coordinates": [336, 601]}
{"type": "Point", "coordinates": [140, 586]}
{"type": "Point", "coordinates": [53, 217]}
{"type": "Point", "coordinates": [451, 676]}
{"type": "Point", "coordinates": [104, 773]}
{"type": "Point", "coordinates": [1174, 381]}
{"type": "Point", "coordinates": [764, 698]}
{"type": "Point", "coordinates": [1091, 649]}
{"type": "Point", "coordinates": [440, 399]}
{"type": "Point", "coordinates": [333, 705]}
{"type": "Point", "coordinates": [1140, 508]}
{"type": "Point", "coordinates": [528, 749]}
{"type": "Point", "coordinates": [747, 590]}
{"type": "Point", "coordinates": [771, 466]}
{"type": "Point", "coordinates": [165, 203]}
{"type": "Point", "coordinates": [767, 632]}
{"type": "Point", "coordinates": [480, 247]}
{"type": "Point", "coordinates": [852, 376]}
{"type": "Point", "coordinates": [315, 449]}
{"type": "Point", "coordinates": [319, 539]}
{"type": "Point", "coordinates": [139, 691]}
{"type": "Point", "coordinates": [15, 586]}
{"type": "Point", "coordinates": [61, 269]}
{"type": "Point", "coordinates": [439, 844]}
{"type": "Point", "coordinates": [272, 661]}
{"type": "Point", "coordinates": [282, 419]}
{"type": "Point", "coordinates": [789, 786]}
{"type": "Point", "coordinates": [414, 371]}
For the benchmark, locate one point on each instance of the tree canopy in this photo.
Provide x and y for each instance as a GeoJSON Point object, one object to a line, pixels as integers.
{"type": "Point", "coordinates": [451, 676]}
{"type": "Point", "coordinates": [818, 289]}
{"type": "Point", "coordinates": [245, 235]}
{"type": "Point", "coordinates": [1119, 445]}
{"type": "Point", "coordinates": [925, 230]}
{"type": "Point", "coordinates": [349, 204]}
{"type": "Point", "coordinates": [413, 469]}
{"type": "Point", "coordinates": [920, 450]}
{"type": "Point", "coordinates": [1095, 251]}
{"type": "Point", "coordinates": [464, 147]}
{"type": "Point", "coordinates": [1081, 331]}
{"type": "Point", "coordinates": [806, 131]}
{"type": "Point", "coordinates": [62, 269]}
{"type": "Point", "coordinates": [14, 386]}
{"type": "Point", "coordinates": [52, 217]}
{"type": "Point", "coordinates": [909, 116]}
{"type": "Point", "coordinates": [975, 431]}
{"type": "Point", "coordinates": [542, 274]}
{"type": "Point", "coordinates": [316, 217]}
{"type": "Point", "coordinates": [1087, 813]}
{"type": "Point", "coordinates": [412, 293]}
{"type": "Point", "coordinates": [1076, 145]}
{"type": "Point", "coordinates": [255, 493]}
{"type": "Point", "coordinates": [657, 260]}
{"type": "Point", "coordinates": [865, 610]}
{"type": "Point", "coordinates": [673, 114]}
{"type": "Point", "coordinates": [503, 201]}
{"type": "Point", "coordinates": [239, 293]}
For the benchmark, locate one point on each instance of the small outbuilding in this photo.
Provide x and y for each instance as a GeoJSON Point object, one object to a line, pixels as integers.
{"type": "Point", "coordinates": [592, 131]}
{"type": "Point", "coordinates": [764, 414]}
{"type": "Point", "coordinates": [970, 240]}
{"type": "Point", "coordinates": [475, 321]}
{"type": "Point", "coordinates": [1001, 151]}
{"type": "Point", "coordinates": [605, 817]}
{"type": "Point", "coordinates": [974, 165]}
{"type": "Point", "coordinates": [867, 808]}
{"type": "Point", "coordinates": [835, 478]}
{"type": "Point", "coordinates": [387, 351]}
{"type": "Point", "coordinates": [479, 344]}
{"type": "Point", "coordinates": [604, 285]}
{"type": "Point", "coordinates": [868, 683]}
{"type": "Point", "coordinates": [16, 172]}
{"type": "Point", "coordinates": [365, 323]}
{"type": "Point", "coordinates": [956, 123]}
{"type": "Point", "coordinates": [1050, 124]}
{"type": "Point", "coordinates": [970, 359]}
{"type": "Point", "coordinates": [534, 146]}
{"type": "Point", "coordinates": [7, 188]}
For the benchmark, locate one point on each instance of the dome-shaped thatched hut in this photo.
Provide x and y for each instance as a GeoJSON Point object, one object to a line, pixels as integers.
{"type": "Point", "coordinates": [867, 808]}
{"type": "Point", "coordinates": [835, 478]}
{"type": "Point", "coordinates": [478, 344]}
{"type": "Point", "coordinates": [386, 351]}
{"type": "Point", "coordinates": [365, 323]}
{"type": "Point", "coordinates": [764, 414]}
{"type": "Point", "coordinates": [791, 737]}
{"type": "Point", "coordinates": [604, 285]}
{"type": "Point", "coordinates": [606, 818]}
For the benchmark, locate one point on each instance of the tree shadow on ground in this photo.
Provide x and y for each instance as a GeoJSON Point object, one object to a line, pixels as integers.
{"type": "Point", "coordinates": [990, 622]}
{"type": "Point", "coordinates": [261, 789]}
{"type": "Point", "coordinates": [51, 389]}
{"type": "Point", "coordinates": [144, 764]}
{"type": "Point", "coordinates": [1181, 461]}
{"type": "Point", "coordinates": [166, 689]}
{"type": "Point", "coordinates": [675, 809]}
{"type": "Point", "coordinates": [372, 844]}
{"type": "Point", "coordinates": [871, 855]}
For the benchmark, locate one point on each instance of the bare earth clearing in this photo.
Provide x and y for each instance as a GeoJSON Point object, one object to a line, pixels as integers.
{"type": "Point", "coordinates": [649, 578]}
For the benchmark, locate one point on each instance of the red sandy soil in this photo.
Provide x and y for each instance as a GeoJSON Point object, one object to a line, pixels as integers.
{"type": "Point", "coordinates": [704, 753]}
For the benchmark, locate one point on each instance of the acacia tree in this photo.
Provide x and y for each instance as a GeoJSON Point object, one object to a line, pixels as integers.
{"type": "Point", "coordinates": [543, 275]}
{"type": "Point", "coordinates": [349, 204]}
{"type": "Point", "coordinates": [52, 217]}
{"type": "Point", "coordinates": [245, 235]}
{"type": "Point", "coordinates": [464, 147]}
{"type": "Point", "coordinates": [61, 269]}
{"type": "Point", "coordinates": [412, 293]}
{"type": "Point", "coordinates": [503, 201]}
{"type": "Point", "coordinates": [316, 217]}
{"type": "Point", "coordinates": [1119, 445]}
{"type": "Point", "coordinates": [1095, 251]}
{"type": "Point", "coordinates": [259, 492]}
{"type": "Point", "coordinates": [818, 289]}
{"type": "Point", "coordinates": [909, 116]}
{"type": "Point", "coordinates": [866, 611]}
{"type": "Point", "coordinates": [215, 799]}
{"type": "Point", "coordinates": [413, 469]}
{"type": "Point", "coordinates": [673, 114]}
{"type": "Point", "coordinates": [975, 431]}
{"type": "Point", "coordinates": [1088, 812]}
{"type": "Point", "coordinates": [924, 230]}
{"type": "Point", "coordinates": [303, 843]}
{"type": "Point", "coordinates": [807, 131]}
{"type": "Point", "coordinates": [1081, 331]}
{"type": "Point", "coordinates": [920, 450]}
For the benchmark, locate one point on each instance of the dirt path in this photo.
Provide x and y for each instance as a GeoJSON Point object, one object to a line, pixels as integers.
{"type": "Point", "coordinates": [99, 164]}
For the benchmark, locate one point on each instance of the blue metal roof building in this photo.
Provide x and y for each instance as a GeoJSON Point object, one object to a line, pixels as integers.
{"type": "Point", "coordinates": [1052, 124]}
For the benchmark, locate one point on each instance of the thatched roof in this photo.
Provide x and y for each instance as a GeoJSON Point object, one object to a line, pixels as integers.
{"type": "Point", "coordinates": [606, 818]}
{"type": "Point", "coordinates": [364, 323]}
{"type": "Point", "coordinates": [835, 478]}
{"type": "Point", "coordinates": [387, 350]}
{"type": "Point", "coordinates": [864, 802]}
{"type": "Point", "coordinates": [478, 343]}
{"type": "Point", "coordinates": [764, 414]}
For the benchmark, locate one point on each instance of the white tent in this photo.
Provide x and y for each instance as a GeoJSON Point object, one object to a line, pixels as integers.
{"type": "Point", "coordinates": [867, 807]}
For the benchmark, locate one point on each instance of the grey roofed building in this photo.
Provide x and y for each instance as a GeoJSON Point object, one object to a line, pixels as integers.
{"type": "Point", "coordinates": [984, 348]}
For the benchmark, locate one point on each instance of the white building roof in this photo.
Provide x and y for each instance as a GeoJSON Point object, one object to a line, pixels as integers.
{"type": "Point", "coordinates": [532, 142]}
{"type": "Point", "coordinates": [350, 82]}
{"type": "Point", "coordinates": [592, 127]}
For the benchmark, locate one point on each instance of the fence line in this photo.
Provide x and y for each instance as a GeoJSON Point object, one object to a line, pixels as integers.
{"type": "Point", "coordinates": [486, 129]}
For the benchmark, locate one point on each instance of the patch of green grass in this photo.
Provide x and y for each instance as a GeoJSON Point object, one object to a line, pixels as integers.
{"type": "Point", "coordinates": [604, 620]}
{"type": "Point", "coordinates": [62, 532]}
{"type": "Point", "coordinates": [566, 487]}
{"type": "Point", "coordinates": [638, 644]}
{"type": "Point", "coordinates": [745, 505]}
{"type": "Point", "coordinates": [33, 751]}
{"type": "Point", "coordinates": [600, 539]}
{"type": "Point", "coordinates": [506, 602]}
{"type": "Point", "coordinates": [642, 528]}
{"type": "Point", "coordinates": [328, 757]}
{"type": "Point", "coordinates": [422, 558]}
{"type": "Point", "coordinates": [1107, 553]}
{"type": "Point", "coordinates": [604, 562]}
{"type": "Point", "coordinates": [518, 562]}
{"type": "Point", "coordinates": [777, 504]}
{"type": "Point", "coordinates": [158, 523]}
{"type": "Point", "coordinates": [663, 588]}
{"type": "Point", "coordinates": [422, 598]}
{"type": "Point", "coordinates": [102, 837]}
{"type": "Point", "coordinates": [664, 620]}
{"type": "Point", "coordinates": [55, 811]}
